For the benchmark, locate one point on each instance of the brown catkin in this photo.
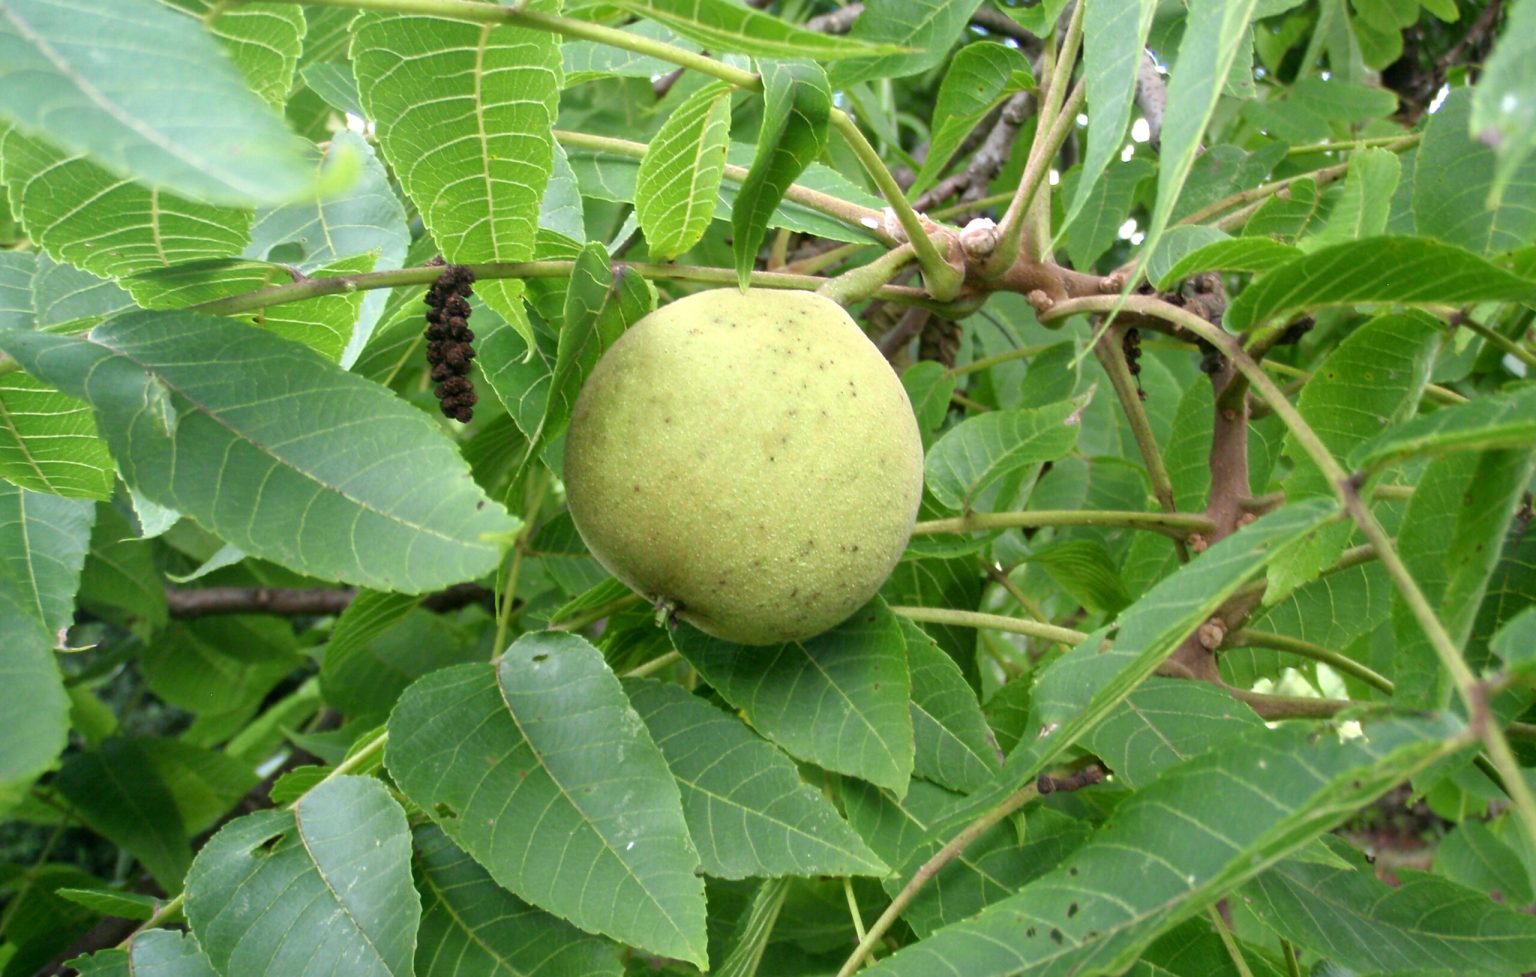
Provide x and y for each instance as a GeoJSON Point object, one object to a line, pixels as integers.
{"type": "Point", "coordinates": [450, 341]}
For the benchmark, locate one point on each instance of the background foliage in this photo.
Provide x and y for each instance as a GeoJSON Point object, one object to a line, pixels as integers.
{"type": "Point", "coordinates": [1214, 651]}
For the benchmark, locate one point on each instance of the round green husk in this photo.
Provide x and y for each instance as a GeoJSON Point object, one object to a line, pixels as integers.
{"type": "Point", "coordinates": [748, 458]}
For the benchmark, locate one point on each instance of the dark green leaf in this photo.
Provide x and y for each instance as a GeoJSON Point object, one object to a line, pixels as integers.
{"type": "Point", "coordinates": [105, 223]}
{"type": "Point", "coordinates": [1503, 420]}
{"type": "Point", "coordinates": [797, 104]}
{"type": "Point", "coordinates": [1401, 270]}
{"type": "Point", "coordinates": [315, 455]}
{"type": "Point", "coordinates": [1234, 254]}
{"type": "Point", "coordinates": [1207, 52]}
{"type": "Point", "coordinates": [296, 892]}
{"type": "Point", "coordinates": [43, 542]}
{"type": "Point", "coordinates": [1176, 846]}
{"type": "Point", "coordinates": [600, 303]}
{"type": "Point", "coordinates": [1486, 857]}
{"type": "Point", "coordinates": [1165, 722]}
{"type": "Point", "coordinates": [980, 450]}
{"type": "Point", "coordinates": [1454, 178]}
{"type": "Point", "coordinates": [366, 678]}
{"type": "Point", "coordinates": [1079, 690]}
{"type": "Point", "coordinates": [540, 769]}
{"type": "Point", "coordinates": [838, 700]}
{"type": "Point", "coordinates": [724, 26]}
{"type": "Point", "coordinates": [119, 794]}
{"type": "Point", "coordinates": [1450, 539]}
{"type": "Point", "coordinates": [1362, 208]}
{"type": "Point", "coordinates": [954, 746]}
{"type": "Point", "coordinates": [1370, 382]}
{"type": "Point", "coordinates": [748, 811]}
{"type": "Point", "coordinates": [1096, 224]}
{"type": "Point", "coordinates": [1084, 569]}
{"type": "Point", "coordinates": [1423, 923]}
{"type": "Point", "coordinates": [990, 869]}
{"type": "Point", "coordinates": [471, 926]}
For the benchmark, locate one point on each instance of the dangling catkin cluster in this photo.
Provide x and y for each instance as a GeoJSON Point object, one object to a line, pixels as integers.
{"type": "Point", "coordinates": [449, 340]}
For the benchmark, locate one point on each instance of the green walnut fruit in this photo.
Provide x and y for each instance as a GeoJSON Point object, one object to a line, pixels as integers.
{"type": "Point", "coordinates": [748, 459]}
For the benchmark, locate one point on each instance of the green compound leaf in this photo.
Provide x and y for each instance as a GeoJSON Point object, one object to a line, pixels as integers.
{"type": "Point", "coordinates": [471, 926]}
{"type": "Point", "coordinates": [1424, 923]}
{"type": "Point", "coordinates": [839, 700]}
{"type": "Point", "coordinates": [721, 25]}
{"type": "Point", "coordinates": [679, 178]}
{"type": "Point", "coordinates": [74, 69]}
{"type": "Point", "coordinates": [81, 213]}
{"type": "Point", "coordinates": [749, 812]}
{"type": "Point", "coordinates": [278, 451]}
{"type": "Point", "coordinates": [797, 104]}
{"type": "Point", "coordinates": [48, 441]}
{"type": "Point", "coordinates": [981, 76]}
{"type": "Point", "coordinates": [540, 769]}
{"type": "Point", "coordinates": [294, 893]}
{"type": "Point", "coordinates": [980, 450]}
{"type": "Point", "coordinates": [464, 115]}
{"type": "Point", "coordinates": [1503, 420]}
{"type": "Point", "coordinates": [1176, 846]}
{"type": "Point", "coordinates": [1399, 270]}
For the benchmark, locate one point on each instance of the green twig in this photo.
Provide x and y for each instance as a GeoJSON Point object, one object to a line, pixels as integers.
{"type": "Point", "coordinates": [942, 278]}
{"type": "Point", "coordinates": [654, 665]}
{"type": "Point", "coordinates": [1010, 236]}
{"type": "Point", "coordinates": [1292, 965]}
{"type": "Point", "coordinates": [1175, 524]}
{"type": "Point", "coordinates": [1496, 338]}
{"type": "Point", "coordinates": [860, 283]}
{"type": "Point", "coordinates": [1250, 638]}
{"type": "Point", "coordinates": [1112, 357]}
{"type": "Point", "coordinates": [1234, 952]}
{"type": "Point", "coordinates": [271, 295]}
{"type": "Point", "coordinates": [994, 622]}
{"type": "Point", "coordinates": [1056, 117]}
{"type": "Point", "coordinates": [931, 868]}
{"type": "Point", "coordinates": [1007, 356]}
